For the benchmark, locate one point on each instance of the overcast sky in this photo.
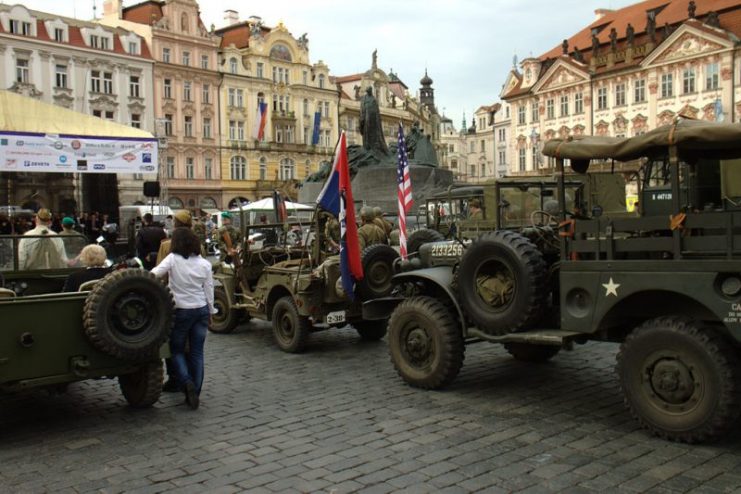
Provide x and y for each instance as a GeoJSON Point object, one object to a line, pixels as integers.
{"type": "Point", "coordinates": [466, 45]}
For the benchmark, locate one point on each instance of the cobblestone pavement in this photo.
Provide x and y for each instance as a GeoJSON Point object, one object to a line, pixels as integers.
{"type": "Point", "coordinates": [338, 419]}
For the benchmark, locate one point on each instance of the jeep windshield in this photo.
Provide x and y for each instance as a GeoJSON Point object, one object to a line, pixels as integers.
{"type": "Point", "coordinates": [40, 252]}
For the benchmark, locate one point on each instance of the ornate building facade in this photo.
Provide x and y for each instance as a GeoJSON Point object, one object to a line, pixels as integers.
{"type": "Point", "coordinates": [98, 70]}
{"type": "Point", "coordinates": [186, 85]}
{"type": "Point", "coordinates": [278, 110]}
{"type": "Point", "coordinates": [631, 70]}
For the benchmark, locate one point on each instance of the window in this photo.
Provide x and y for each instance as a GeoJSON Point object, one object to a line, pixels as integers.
{"type": "Point", "coordinates": [263, 169]}
{"type": "Point", "coordinates": [240, 130]}
{"type": "Point", "coordinates": [471, 147]}
{"type": "Point", "coordinates": [108, 82]}
{"type": "Point", "coordinates": [287, 169]}
{"type": "Point", "coordinates": [170, 167]}
{"type": "Point", "coordinates": [321, 81]}
{"type": "Point", "coordinates": [619, 94]}
{"type": "Point", "coordinates": [275, 74]}
{"type": "Point", "coordinates": [549, 109]}
{"type": "Point", "coordinates": [232, 130]}
{"type": "Point", "coordinates": [240, 98]}
{"type": "Point", "coordinates": [136, 120]}
{"type": "Point", "coordinates": [483, 146]}
{"type": "Point", "coordinates": [534, 116]}
{"type": "Point", "coordinates": [95, 81]}
{"type": "Point", "coordinates": [602, 98]}
{"type": "Point", "coordinates": [521, 115]}
{"type": "Point", "coordinates": [231, 96]}
{"type": "Point", "coordinates": [667, 85]}
{"type": "Point", "coordinates": [306, 136]}
{"type": "Point", "coordinates": [206, 93]}
{"type": "Point", "coordinates": [188, 128]}
{"type": "Point", "coordinates": [325, 111]}
{"type": "Point", "coordinates": [502, 137]}
{"type": "Point", "coordinates": [305, 78]}
{"type": "Point", "coordinates": [109, 115]}
{"type": "Point", "coordinates": [260, 69]}
{"type": "Point", "coordinates": [208, 168]}
{"type": "Point", "coordinates": [190, 168]}
{"type": "Point", "coordinates": [134, 86]}
{"type": "Point", "coordinates": [94, 41]}
{"type": "Point", "coordinates": [187, 93]}
{"type": "Point", "coordinates": [204, 62]}
{"type": "Point", "coordinates": [522, 160]}
{"type": "Point", "coordinates": [639, 91]}
{"type": "Point", "coordinates": [207, 128]}
{"type": "Point", "coordinates": [59, 35]}
{"type": "Point", "coordinates": [502, 157]}
{"type": "Point", "coordinates": [238, 167]}
{"type": "Point", "coordinates": [306, 107]}
{"type": "Point", "coordinates": [186, 58]}
{"type": "Point", "coordinates": [184, 22]}
{"type": "Point", "coordinates": [61, 76]}
{"type": "Point", "coordinates": [535, 155]}
{"type": "Point", "coordinates": [168, 124]}
{"type": "Point", "coordinates": [133, 48]}
{"type": "Point", "coordinates": [168, 88]}
{"type": "Point", "coordinates": [688, 81]}
{"type": "Point", "coordinates": [712, 77]}
{"type": "Point", "coordinates": [564, 106]}
{"type": "Point", "coordinates": [166, 55]}
{"type": "Point", "coordinates": [578, 103]}
{"type": "Point", "coordinates": [233, 65]}
{"type": "Point", "coordinates": [98, 113]}
{"type": "Point", "coordinates": [20, 27]}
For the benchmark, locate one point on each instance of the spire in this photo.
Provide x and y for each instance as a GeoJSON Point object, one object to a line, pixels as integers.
{"type": "Point", "coordinates": [426, 81]}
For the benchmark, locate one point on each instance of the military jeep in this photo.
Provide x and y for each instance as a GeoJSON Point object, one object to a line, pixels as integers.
{"type": "Point", "coordinates": [298, 287]}
{"type": "Point", "coordinates": [112, 327]}
{"type": "Point", "coordinates": [665, 283]}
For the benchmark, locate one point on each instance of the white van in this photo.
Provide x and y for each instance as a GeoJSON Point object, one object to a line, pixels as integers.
{"type": "Point", "coordinates": [128, 213]}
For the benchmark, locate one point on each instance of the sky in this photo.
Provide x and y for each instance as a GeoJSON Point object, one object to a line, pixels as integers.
{"type": "Point", "coordinates": [467, 46]}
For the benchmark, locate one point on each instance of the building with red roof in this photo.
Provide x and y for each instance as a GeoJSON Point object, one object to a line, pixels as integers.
{"type": "Point", "coordinates": [629, 71]}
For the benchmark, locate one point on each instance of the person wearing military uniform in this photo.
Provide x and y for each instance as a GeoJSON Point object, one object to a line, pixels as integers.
{"type": "Point", "coordinates": [199, 229]}
{"type": "Point", "coordinates": [370, 233]}
{"type": "Point", "coordinates": [474, 210]}
{"type": "Point", "coordinates": [181, 219]}
{"type": "Point", "coordinates": [235, 236]}
{"type": "Point", "coordinates": [381, 222]}
{"type": "Point", "coordinates": [332, 233]}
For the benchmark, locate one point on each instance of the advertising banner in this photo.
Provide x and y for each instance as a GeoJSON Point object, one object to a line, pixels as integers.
{"type": "Point", "coordinates": [61, 153]}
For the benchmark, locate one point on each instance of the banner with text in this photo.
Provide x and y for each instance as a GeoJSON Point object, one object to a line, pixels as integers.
{"type": "Point", "coordinates": [27, 152]}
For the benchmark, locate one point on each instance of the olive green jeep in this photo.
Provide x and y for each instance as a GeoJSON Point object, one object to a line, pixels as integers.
{"type": "Point", "coordinates": [113, 327]}
{"type": "Point", "coordinates": [664, 282]}
{"type": "Point", "coordinates": [296, 285]}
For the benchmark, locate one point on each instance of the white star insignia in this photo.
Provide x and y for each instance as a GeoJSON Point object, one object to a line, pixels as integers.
{"type": "Point", "coordinates": [611, 288]}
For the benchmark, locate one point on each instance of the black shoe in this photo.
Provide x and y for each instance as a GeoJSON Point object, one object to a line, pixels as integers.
{"type": "Point", "coordinates": [191, 397]}
{"type": "Point", "coordinates": [171, 386]}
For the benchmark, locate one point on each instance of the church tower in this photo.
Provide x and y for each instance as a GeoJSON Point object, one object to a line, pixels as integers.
{"type": "Point", "coordinates": [427, 94]}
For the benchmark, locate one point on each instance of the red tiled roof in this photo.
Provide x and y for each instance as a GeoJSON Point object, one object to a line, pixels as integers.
{"type": "Point", "coordinates": [348, 78]}
{"type": "Point", "coordinates": [147, 12]}
{"type": "Point", "coordinates": [237, 35]}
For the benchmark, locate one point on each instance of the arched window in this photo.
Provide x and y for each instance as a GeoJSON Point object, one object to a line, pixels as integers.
{"type": "Point", "coordinates": [233, 65]}
{"type": "Point", "coordinates": [238, 167]}
{"type": "Point", "coordinates": [263, 168]}
{"type": "Point", "coordinates": [321, 81]}
{"type": "Point", "coordinates": [184, 23]}
{"type": "Point", "coordinates": [208, 203]}
{"type": "Point", "coordinates": [287, 169]}
{"type": "Point", "coordinates": [175, 203]}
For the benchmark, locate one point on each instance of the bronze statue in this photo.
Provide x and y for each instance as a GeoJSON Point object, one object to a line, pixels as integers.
{"type": "Point", "coordinates": [613, 39]}
{"type": "Point", "coordinates": [691, 8]}
{"type": "Point", "coordinates": [595, 45]}
{"type": "Point", "coordinates": [565, 47]}
{"type": "Point", "coordinates": [630, 34]}
{"type": "Point", "coordinates": [370, 123]}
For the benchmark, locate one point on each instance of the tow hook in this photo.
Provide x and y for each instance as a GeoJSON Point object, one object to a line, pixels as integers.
{"type": "Point", "coordinates": [80, 366]}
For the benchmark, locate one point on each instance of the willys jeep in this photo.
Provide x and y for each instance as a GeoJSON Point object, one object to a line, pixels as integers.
{"type": "Point", "coordinates": [112, 327]}
{"type": "Point", "coordinates": [298, 287]}
{"type": "Point", "coordinates": [665, 283]}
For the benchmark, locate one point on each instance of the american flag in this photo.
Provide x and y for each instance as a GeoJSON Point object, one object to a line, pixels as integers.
{"type": "Point", "coordinates": [404, 182]}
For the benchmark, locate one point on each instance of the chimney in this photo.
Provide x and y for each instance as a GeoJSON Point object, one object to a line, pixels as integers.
{"type": "Point", "coordinates": [113, 8]}
{"type": "Point", "coordinates": [231, 17]}
{"type": "Point", "coordinates": [600, 13]}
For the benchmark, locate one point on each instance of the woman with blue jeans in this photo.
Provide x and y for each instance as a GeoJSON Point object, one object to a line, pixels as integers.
{"type": "Point", "coordinates": [192, 285]}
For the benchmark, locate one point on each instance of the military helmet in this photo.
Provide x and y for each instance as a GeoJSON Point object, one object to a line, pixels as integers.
{"type": "Point", "coordinates": [366, 214]}
{"type": "Point", "coordinates": [378, 212]}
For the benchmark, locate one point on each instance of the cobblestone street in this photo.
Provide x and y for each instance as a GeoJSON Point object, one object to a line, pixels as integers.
{"type": "Point", "coordinates": [338, 419]}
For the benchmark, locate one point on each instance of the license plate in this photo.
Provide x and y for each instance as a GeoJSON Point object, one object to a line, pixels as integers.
{"type": "Point", "coordinates": [336, 317]}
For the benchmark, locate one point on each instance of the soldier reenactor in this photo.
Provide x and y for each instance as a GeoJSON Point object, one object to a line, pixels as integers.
{"type": "Point", "coordinates": [332, 233]}
{"type": "Point", "coordinates": [381, 221]}
{"type": "Point", "coordinates": [199, 229]}
{"type": "Point", "coordinates": [228, 238]}
{"type": "Point", "coordinates": [474, 210]}
{"type": "Point", "coordinates": [370, 233]}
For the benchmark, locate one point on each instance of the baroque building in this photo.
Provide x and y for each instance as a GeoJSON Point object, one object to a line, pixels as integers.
{"type": "Point", "coordinates": [278, 110]}
{"type": "Point", "coordinates": [186, 82]}
{"type": "Point", "coordinates": [629, 71]}
{"type": "Point", "coordinates": [83, 66]}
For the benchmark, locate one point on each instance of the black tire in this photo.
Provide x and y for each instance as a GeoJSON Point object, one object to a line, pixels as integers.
{"type": "Point", "coordinates": [371, 330]}
{"type": "Point", "coordinates": [378, 269]}
{"type": "Point", "coordinates": [225, 319]}
{"type": "Point", "coordinates": [290, 330]}
{"type": "Point", "coordinates": [129, 315]}
{"type": "Point", "coordinates": [533, 353]}
{"type": "Point", "coordinates": [142, 388]}
{"type": "Point", "coordinates": [515, 274]}
{"type": "Point", "coordinates": [425, 343]}
{"type": "Point", "coordinates": [419, 237]}
{"type": "Point", "coordinates": [681, 381]}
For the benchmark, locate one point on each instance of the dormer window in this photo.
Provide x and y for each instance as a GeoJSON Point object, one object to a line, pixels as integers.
{"type": "Point", "coordinates": [233, 65]}
{"type": "Point", "coordinates": [321, 81]}
{"type": "Point", "coordinates": [59, 35]}
{"type": "Point", "coordinates": [20, 27]}
{"type": "Point", "coordinates": [133, 48]}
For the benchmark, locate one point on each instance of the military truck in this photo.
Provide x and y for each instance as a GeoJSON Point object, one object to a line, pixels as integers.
{"type": "Point", "coordinates": [664, 283]}
{"type": "Point", "coordinates": [509, 203]}
{"type": "Point", "coordinates": [113, 327]}
{"type": "Point", "coordinates": [298, 287]}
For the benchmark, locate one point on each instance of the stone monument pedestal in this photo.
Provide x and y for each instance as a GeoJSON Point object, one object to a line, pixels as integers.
{"type": "Point", "coordinates": [377, 186]}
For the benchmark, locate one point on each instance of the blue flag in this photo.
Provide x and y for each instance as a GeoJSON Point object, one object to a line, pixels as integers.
{"type": "Point", "coordinates": [317, 122]}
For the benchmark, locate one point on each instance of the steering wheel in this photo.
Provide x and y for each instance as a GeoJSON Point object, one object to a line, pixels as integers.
{"type": "Point", "coordinates": [546, 219]}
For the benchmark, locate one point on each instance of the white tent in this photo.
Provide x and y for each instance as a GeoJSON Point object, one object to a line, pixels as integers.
{"type": "Point", "coordinates": [267, 205]}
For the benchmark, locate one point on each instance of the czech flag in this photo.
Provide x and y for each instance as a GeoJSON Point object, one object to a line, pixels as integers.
{"type": "Point", "coordinates": [336, 197]}
{"type": "Point", "coordinates": [261, 121]}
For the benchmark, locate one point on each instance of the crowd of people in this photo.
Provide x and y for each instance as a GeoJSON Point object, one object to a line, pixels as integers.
{"type": "Point", "coordinates": [92, 225]}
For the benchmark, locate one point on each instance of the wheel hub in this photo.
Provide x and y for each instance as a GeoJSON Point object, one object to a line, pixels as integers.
{"type": "Point", "coordinates": [132, 314]}
{"type": "Point", "coordinates": [418, 344]}
{"type": "Point", "coordinates": [672, 381]}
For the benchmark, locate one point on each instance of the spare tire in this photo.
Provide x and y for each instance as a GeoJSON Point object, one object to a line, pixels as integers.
{"type": "Point", "coordinates": [378, 269]}
{"type": "Point", "coordinates": [129, 315]}
{"type": "Point", "coordinates": [501, 281]}
{"type": "Point", "coordinates": [424, 236]}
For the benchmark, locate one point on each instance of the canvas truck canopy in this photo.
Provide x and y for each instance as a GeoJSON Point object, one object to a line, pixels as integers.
{"type": "Point", "coordinates": [693, 138]}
